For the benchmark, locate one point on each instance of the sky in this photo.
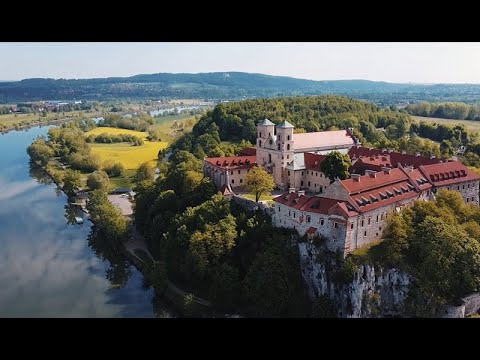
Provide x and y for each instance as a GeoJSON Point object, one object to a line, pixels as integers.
{"type": "Point", "coordinates": [392, 62]}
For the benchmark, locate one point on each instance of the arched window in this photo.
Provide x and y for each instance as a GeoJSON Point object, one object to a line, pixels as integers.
{"type": "Point", "coordinates": [278, 146]}
{"type": "Point", "coordinates": [259, 143]}
{"type": "Point", "coordinates": [288, 146]}
{"type": "Point", "coordinates": [288, 137]}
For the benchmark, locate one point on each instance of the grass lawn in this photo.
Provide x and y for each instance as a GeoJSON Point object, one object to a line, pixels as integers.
{"type": "Point", "coordinates": [267, 197]}
{"type": "Point", "coordinates": [469, 124]}
{"type": "Point", "coordinates": [124, 181]}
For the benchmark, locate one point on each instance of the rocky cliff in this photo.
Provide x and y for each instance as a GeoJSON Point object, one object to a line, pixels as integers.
{"type": "Point", "coordinates": [373, 292]}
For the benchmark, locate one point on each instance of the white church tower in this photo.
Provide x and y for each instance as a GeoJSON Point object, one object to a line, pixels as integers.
{"type": "Point", "coordinates": [275, 149]}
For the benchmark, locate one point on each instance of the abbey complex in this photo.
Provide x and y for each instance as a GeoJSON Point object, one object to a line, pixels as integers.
{"type": "Point", "coordinates": [346, 214]}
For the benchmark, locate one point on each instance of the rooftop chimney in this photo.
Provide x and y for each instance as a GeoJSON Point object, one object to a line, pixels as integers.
{"type": "Point", "coordinates": [356, 177]}
{"type": "Point", "coordinates": [386, 170]}
{"type": "Point", "coordinates": [291, 190]}
{"type": "Point", "coordinates": [301, 192]}
{"type": "Point", "coordinates": [371, 173]}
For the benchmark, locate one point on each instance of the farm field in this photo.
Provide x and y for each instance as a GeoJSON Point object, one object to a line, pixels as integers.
{"type": "Point", "coordinates": [115, 131]}
{"type": "Point", "coordinates": [130, 156]}
{"type": "Point", "coordinates": [469, 124]}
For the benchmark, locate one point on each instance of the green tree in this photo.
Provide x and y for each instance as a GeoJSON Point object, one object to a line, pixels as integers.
{"type": "Point", "coordinates": [40, 152]}
{"type": "Point", "coordinates": [114, 169]}
{"type": "Point", "coordinates": [336, 165]}
{"type": "Point", "coordinates": [273, 285]}
{"type": "Point", "coordinates": [258, 182]}
{"type": "Point", "coordinates": [144, 172]}
{"type": "Point", "coordinates": [71, 181]}
{"type": "Point", "coordinates": [98, 180]}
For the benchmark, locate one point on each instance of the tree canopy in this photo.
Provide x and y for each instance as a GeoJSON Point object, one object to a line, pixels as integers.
{"type": "Point", "coordinates": [438, 242]}
{"type": "Point", "coordinates": [336, 165]}
{"type": "Point", "coordinates": [258, 182]}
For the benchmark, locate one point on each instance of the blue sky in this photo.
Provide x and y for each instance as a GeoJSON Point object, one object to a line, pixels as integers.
{"type": "Point", "coordinates": [394, 62]}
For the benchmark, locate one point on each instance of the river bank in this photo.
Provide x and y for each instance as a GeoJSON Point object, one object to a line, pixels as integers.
{"type": "Point", "coordinates": [134, 246]}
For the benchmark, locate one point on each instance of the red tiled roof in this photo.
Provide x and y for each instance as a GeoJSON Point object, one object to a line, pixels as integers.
{"type": "Point", "coordinates": [376, 160]}
{"type": "Point", "coordinates": [248, 151]}
{"type": "Point", "coordinates": [224, 190]}
{"type": "Point", "coordinates": [313, 161]}
{"type": "Point", "coordinates": [292, 199]}
{"type": "Point", "coordinates": [339, 138]}
{"type": "Point", "coordinates": [232, 162]}
{"type": "Point", "coordinates": [311, 230]}
{"type": "Point", "coordinates": [319, 205]}
{"type": "Point", "coordinates": [395, 157]}
{"type": "Point", "coordinates": [369, 182]}
{"type": "Point", "coordinates": [417, 179]}
{"type": "Point", "coordinates": [447, 173]}
{"type": "Point", "coordinates": [382, 196]}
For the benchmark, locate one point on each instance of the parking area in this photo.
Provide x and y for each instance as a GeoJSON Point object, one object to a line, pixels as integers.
{"type": "Point", "coordinates": [123, 203]}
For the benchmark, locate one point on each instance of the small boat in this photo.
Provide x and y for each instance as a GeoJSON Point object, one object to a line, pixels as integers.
{"type": "Point", "coordinates": [78, 220]}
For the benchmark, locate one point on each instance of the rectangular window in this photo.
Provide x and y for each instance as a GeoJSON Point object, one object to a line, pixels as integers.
{"type": "Point", "coordinates": [294, 214]}
{"type": "Point", "coordinates": [288, 156]}
{"type": "Point", "coordinates": [315, 184]}
{"type": "Point", "coordinates": [381, 216]}
{"type": "Point", "coordinates": [362, 223]}
{"type": "Point", "coordinates": [308, 218]}
{"type": "Point", "coordinates": [365, 233]}
{"type": "Point", "coordinates": [380, 228]}
{"type": "Point", "coordinates": [335, 225]}
{"type": "Point", "coordinates": [458, 187]}
{"type": "Point", "coordinates": [309, 184]}
{"type": "Point", "coordinates": [231, 172]}
{"type": "Point", "coordinates": [377, 218]}
{"type": "Point", "coordinates": [321, 222]}
{"type": "Point", "coordinates": [351, 226]}
{"type": "Point", "coordinates": [289, 173]}
{"type": "Point", "coordinates": [233, 181]}
{"type": "Point", "coordinates": [316, 173]}
{"type": "Point", "coordinates": [241, 181]}
{"type": "Point", "coordinates": [301, 183]}
{"type": "Point", "coordinates": [238, 171]}
{"type": "Point", "coordinates": [369, 221]}
{"type": "Point", "coordinates": [289, 214]}
{"type": "Point", "coordinates": [463, 187]}
{"type": "Point", "coordinates": [302, 173]}
{"type": "Point", "coordinates": [468, 186]}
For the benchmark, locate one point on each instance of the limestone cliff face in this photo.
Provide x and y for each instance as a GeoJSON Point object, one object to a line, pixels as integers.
{"type": "Point", "coordinates": [372, 293]}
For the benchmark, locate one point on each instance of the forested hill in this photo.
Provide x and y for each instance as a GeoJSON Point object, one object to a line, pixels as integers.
{"type": "Point", "coordinates": [224, 85]}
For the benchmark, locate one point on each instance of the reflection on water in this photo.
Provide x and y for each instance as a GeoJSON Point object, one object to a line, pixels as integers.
{"type": "Point", "coordinates": [50, 267]}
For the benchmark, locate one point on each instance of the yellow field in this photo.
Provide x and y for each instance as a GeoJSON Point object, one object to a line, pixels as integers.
{"type": "Point", "coordinates": [130, 156]}
{"type": "Point", "coordinates": [115, 131]}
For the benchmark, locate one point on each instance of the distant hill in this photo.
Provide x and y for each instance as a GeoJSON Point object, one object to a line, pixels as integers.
{"type": "Point", "coordinates": [224, 85]}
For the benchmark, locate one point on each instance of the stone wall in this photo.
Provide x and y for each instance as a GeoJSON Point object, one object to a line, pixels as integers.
{"type": "Point", "coordinates": [251, 205]}
{"type": "Point", "coordinates": [470, 305]}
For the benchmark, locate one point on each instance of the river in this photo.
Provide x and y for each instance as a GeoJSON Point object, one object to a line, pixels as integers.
{"type": "Point", "coordinates": [49, 266]}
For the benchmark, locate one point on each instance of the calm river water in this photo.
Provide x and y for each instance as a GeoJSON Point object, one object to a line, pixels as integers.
{"type": "Point", "coordinates": [48, 266]}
